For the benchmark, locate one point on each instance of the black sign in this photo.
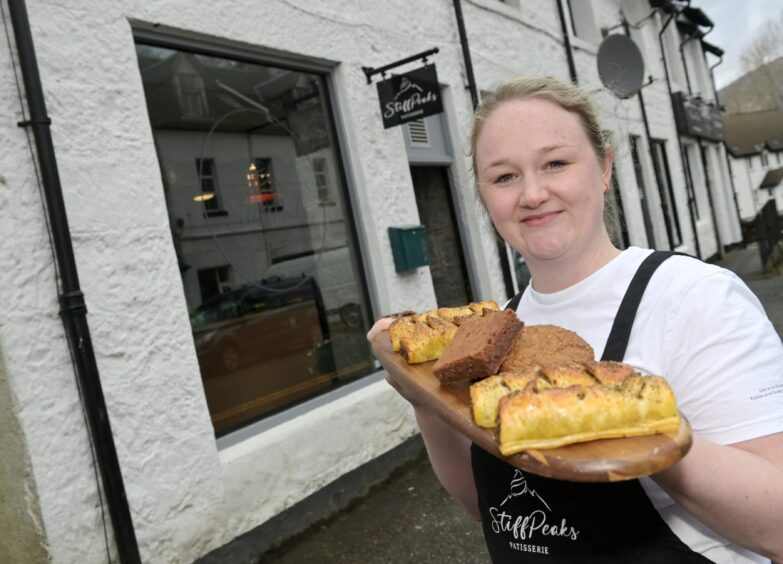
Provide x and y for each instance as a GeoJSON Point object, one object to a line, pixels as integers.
{"type": "Point", "coordinates": [410, 96]}
{"type": "Point", "coordinates": [697, 118]}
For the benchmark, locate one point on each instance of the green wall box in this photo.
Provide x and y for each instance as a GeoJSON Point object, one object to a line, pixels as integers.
{"type": "Point", "coordinates": [409, 247]}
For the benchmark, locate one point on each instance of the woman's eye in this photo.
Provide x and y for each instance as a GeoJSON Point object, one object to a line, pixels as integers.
{"type": "Point", "coordinates": [555, 165]}
{"type": "Point", "coordinates": [504, 178]}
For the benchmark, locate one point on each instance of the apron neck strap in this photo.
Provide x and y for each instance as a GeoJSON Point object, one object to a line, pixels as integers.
{"type": "Point", "coordinates": [620, 334]}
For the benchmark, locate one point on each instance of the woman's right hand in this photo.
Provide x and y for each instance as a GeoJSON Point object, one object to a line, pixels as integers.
{"type": "Point", "coordinates": [381, 325]}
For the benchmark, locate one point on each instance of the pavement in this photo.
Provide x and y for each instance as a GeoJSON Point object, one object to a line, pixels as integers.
{"type": "Point", "coordinates": [409, 517]}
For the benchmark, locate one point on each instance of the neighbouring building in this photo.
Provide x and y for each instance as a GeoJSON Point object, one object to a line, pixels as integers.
{"type": "Point", "coordinates": [229, 186]}
{"type": "Point", "coordinates": [753, 125]}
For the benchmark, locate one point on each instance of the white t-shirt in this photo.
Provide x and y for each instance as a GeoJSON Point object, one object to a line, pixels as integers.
{"type": "Point", "coordinates": [700, 327]}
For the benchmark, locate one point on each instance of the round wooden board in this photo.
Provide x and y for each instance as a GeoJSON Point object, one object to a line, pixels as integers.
{"type": "Point", "coordinates": [605, 460]}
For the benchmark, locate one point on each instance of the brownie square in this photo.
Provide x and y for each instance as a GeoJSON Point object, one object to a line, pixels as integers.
{"type": "Point", "coordinates": [479, 347]}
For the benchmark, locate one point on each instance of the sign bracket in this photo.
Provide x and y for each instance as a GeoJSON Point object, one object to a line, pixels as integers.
{"type": "Point", "coordinates": [370, 71]}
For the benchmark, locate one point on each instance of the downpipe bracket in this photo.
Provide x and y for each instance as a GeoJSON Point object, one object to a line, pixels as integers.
{"type": "Point", "coordinates": [72, 302]}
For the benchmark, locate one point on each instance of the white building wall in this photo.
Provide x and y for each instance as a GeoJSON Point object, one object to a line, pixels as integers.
{"type": "Point", "coordinates": [186, 495]}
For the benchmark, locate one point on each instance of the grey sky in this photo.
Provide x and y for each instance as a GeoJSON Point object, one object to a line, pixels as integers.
{"type": "Point", "coordinates": [736, 24]}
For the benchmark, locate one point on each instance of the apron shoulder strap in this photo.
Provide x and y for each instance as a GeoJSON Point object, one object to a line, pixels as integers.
{"type": "Point", "coordinates": [617, 342]}
{"type": "Point", "coordinates": [620, 333]}
{"type": "Point", "coordinates": [513, 303]}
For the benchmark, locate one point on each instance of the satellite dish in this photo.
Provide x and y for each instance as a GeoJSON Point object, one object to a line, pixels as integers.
{"type": "Point", "coordinates": [620, 65]}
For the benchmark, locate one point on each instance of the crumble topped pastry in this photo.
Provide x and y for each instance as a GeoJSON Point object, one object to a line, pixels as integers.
{"type": "Point", "coordinates": [423, 337]}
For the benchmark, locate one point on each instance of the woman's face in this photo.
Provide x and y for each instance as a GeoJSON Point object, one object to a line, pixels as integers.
{"type": "Point", "coordinates": [541, 180]}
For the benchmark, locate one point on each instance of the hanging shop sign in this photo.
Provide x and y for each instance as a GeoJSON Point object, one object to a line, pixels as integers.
{"type": "Point", "coordinates": [410, 96]}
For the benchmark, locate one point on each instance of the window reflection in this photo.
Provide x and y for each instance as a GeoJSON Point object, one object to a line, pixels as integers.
{"type": "Point", "coordinates": [269, 268]}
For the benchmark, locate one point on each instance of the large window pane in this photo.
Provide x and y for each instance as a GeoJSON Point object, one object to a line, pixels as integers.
{"type": "Point", "coordinates": [253, 186]}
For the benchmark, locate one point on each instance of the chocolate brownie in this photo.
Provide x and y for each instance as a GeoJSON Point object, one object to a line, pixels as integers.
{"type": "Point", "coordinates": [479, 347]}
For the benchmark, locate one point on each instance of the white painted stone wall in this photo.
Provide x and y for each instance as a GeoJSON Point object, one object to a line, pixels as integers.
{"type": "Point", "coordinates": [186, 496]}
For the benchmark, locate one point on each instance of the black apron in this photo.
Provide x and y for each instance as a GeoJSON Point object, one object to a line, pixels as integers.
{"type": "Point", "coordinates": [530, 518]}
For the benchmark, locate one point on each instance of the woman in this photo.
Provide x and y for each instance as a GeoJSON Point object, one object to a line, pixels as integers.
{"type": "Point", "coordinates": [542, 168]}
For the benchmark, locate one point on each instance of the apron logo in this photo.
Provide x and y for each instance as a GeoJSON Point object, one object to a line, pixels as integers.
{"type": "Point", "coordinates": [525, 527]}
{"type": "Point", "coordinates": [519, 487]}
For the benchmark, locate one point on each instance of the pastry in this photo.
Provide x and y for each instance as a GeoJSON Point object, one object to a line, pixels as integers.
{"type": "Point", "coordinates": [485, 394]}
{"type": "Point", "coordinates": [479, 346]}
{"type": "Point", "coordinates": [540, 417]}
{"type": "Point", "coordinates": [423, 337]}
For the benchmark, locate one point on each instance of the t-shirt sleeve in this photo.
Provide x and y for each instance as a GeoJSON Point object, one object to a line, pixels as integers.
{"type": "Point", "coordinates": [728, 359]}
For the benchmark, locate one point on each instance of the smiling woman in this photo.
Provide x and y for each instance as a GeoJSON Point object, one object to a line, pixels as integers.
{"type": "Point", "coordinates": [543, 169]}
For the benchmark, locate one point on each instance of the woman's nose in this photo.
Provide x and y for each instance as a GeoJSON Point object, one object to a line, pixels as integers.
{"type": "Point", "coordinates": [533, 193]}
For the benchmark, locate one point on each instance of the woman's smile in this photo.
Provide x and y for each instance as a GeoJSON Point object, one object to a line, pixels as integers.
{"type": "Point", "coordinates": [539, 219]}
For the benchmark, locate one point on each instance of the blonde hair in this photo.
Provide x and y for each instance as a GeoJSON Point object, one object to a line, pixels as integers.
{"type": "Point", "coordinates": [569, 97]}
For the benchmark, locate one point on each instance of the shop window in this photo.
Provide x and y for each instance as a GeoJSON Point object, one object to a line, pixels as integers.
{"type": "Point", "coordinates": [276, 294]}
{"type": "Point", "coordinates": [666, 193]}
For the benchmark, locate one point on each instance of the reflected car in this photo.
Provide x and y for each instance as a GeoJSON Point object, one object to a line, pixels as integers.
{"type": "Point", "coordinates": [261, 321]}
{"type": "Point", "coordinates": [333, 269]}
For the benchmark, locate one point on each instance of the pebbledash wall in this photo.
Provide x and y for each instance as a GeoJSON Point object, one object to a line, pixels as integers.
{"type": "Point", "coordinates": [188, 493]}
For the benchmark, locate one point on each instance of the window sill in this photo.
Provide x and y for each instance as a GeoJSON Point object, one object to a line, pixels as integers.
{"type": "Point", "coordinates": [319, 402]}
{"type": "Point", "coordinates": [215, 213]}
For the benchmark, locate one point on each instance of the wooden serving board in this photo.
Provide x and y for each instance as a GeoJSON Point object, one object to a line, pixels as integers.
{"type": "Point", "coordinates": [604, 460]}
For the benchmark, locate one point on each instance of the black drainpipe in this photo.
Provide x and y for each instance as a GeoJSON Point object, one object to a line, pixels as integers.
{"type": "Point", "coordinates": [474, 97]}
{"type": "Point", "coordinates": [688, 174]}
{"type": "Point", "coordinates": [567, 43]}
{"type": "Point", "coordinates": [72, 307]}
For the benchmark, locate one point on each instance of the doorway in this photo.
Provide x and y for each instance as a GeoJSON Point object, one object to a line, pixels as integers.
{"type": "Point", "coordinates": [436, 211]}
